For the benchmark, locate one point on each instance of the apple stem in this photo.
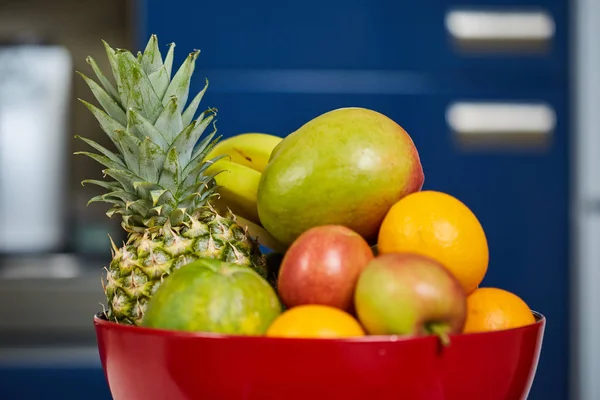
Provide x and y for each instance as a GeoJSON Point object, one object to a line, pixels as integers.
{"type": "Point", "coordinates": [440, 331]}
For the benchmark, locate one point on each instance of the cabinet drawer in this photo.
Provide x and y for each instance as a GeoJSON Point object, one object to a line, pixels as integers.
{"type": "Point", "coordinates": [350, 34]}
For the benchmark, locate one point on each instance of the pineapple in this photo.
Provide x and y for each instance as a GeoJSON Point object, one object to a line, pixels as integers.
{"type": "Point", "coordinates": [157, 181]}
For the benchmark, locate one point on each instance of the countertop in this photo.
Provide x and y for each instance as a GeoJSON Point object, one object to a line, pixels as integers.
{"type": "Point", "coordinates": [47, 340]}
{"type": "Point", "coordinates": [49, 301]}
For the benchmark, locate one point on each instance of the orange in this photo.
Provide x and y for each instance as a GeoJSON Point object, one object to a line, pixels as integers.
{"type": "Point", "coordinates": [315, 321]}
{"type": "Point", "coordinates": [492, 309]}
{"type": "Point", "coordinates": [438, 225]}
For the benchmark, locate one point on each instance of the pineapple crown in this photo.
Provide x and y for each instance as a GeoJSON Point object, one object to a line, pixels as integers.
{"type": "Point", "coordinates": [158, 168]}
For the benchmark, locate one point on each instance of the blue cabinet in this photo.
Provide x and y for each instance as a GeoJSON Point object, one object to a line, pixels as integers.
{"type": "Point", "coordinates": [354, 34]}
{"type": "Point", "coordinates": [53, 382]}
{"type": "Point", "coordinates": [274, 65]}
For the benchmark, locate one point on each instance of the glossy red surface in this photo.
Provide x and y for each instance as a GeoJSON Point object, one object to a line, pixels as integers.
{"type": "Point", "coordinates": [147, 364]}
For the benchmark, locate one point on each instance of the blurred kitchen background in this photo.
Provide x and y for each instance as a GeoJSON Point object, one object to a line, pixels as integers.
{"type": "Point", "coordinates": [502, 98]}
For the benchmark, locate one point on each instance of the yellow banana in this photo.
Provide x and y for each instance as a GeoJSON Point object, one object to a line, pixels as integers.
{"type": "Point", "coordinates": [238, 188]}
{"type": "Point", "coordinates": [248, 149]}
{"type": "Point", "coordinates": [238, 180]}
{"type": "Point", "coordinates": [261, 234]}
{"type": "Point", "coordinates": [242, 199]}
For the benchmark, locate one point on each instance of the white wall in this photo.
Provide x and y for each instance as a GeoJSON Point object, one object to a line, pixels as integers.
{"type": "Point", "coordinates": [585, 112]}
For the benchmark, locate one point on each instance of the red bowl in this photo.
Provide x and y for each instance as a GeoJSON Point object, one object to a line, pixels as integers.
{"type": "Point", "coordinates": [148, 364]}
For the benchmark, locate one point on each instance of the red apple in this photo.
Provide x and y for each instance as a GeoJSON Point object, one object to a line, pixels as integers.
{"type": "Point", "coordinates": [409, 294]}
{"type": "Point", "coordinates": [322, 266]}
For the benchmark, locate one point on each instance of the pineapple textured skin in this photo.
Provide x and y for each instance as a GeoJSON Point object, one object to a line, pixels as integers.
{"type": "Point", "coordinates": [138, 268]}
{"type": "Point", "coordinates": [156, 181]}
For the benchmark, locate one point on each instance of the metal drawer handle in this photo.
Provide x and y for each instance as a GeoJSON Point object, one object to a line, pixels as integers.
{"type": "Point", "coordinates": [489, 28]}
{"type": "Point", "coordinates": [481, 118]}
{"type": "Point", "coordinates": [501, 124]}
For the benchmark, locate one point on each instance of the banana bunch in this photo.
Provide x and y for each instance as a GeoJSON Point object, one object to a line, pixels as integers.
{"type": "Point", "coordinates": [247, 155]}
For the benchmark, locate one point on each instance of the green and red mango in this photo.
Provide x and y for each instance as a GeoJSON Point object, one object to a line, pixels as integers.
{"type": "Point", "coordinates": [345, 167]}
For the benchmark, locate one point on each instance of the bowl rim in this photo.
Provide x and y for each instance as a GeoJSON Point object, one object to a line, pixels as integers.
{"type": "Point", "coordinates": [101, 322]}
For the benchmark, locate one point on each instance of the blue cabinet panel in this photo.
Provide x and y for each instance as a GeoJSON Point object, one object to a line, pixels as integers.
{"type": "Point", "coordinates": [53, 383]}
{"type": "Point", "coordinates": [347, 34]}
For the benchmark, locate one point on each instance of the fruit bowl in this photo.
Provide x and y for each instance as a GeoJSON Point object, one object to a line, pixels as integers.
{"type": "Point", "coordinates": [142, 363]}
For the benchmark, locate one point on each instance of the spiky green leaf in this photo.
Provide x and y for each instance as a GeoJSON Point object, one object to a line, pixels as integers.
{"type": "Point", "coordinates": [108, 86]}
{"type": "Point", "coordinates": [156, 194]}
{"type": "Point", "coordinates": [112, 186]}
{"type": "Point", "coordinates": [179, 143]}
{"type": "Point", "coordinates": [103, 199]}
{"type": "Point", "coordinates": [114, 66]}
{"type": "Point", "coordinates": [185, 141]}
{"type": "Point", "coordinates": [121, 195]}
{"type": "Point", "coordinates": [197, 172]}
{"type": "Point", "coordinates": [157, 137]}
{"type": "Point", "coordinates": [156, 211]}
{"type": "Point", "coordinates": [151, 59]}
{"type": "Point", "coordinates": [177, 216]}
{"type": "Point", "coordinates": [130, 149]}
{"type": "Point", "coordinates": [160, 81]}
{"type": "Point", "coordinates": [138, 207]}
{"type": "Point", "coordinates": [202, 150]}
{"type": "Point", "coordinates": [200, 186]}
{"type": "Point", "coordinates": [207, 144]}
{"type": "Point", "coordinates": [169, 123]}
{"type": "Point", "coordinates": [189, 201]}
{"type": "Point", "coordinates": [110, 106]}
{"type": "Point", "coordinates": [107, 162]}
{"type": "Point", "coordinates": [151, 160]}
{"type": "Point", "coordinates": [115, 210]}
{"type": "Point", "coordinates": [138, 91]}
{"type": "Point", "coordinates": [131, 128]}
{"type": "Point", "coordinates": [190, 111]}
{"type": "Point", "coordinates": [146, 129]}
{"type": "Point", "coordinates": [163, 197]}
{"type": "Point", "coordinates": [169, 59]}
{"type": "Point", "coordinates": [180, 85]}
{"type": "Point", "coordinates": [156, 220]}
{"type": "Point", "coordinates": [143, 189]}
{"type": "Point", "coordinates": [114, 157]}
{"type": "Point", "coordinates": [169, 177]}
{"type": "Point", "coordinates": [133, 222]}
{"type": "Point", "coordinates": [162, 209]}
{"type": "Point", "coordinates": [107, 123]}
{"type": "Point", "coordinates": [124, 177]}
